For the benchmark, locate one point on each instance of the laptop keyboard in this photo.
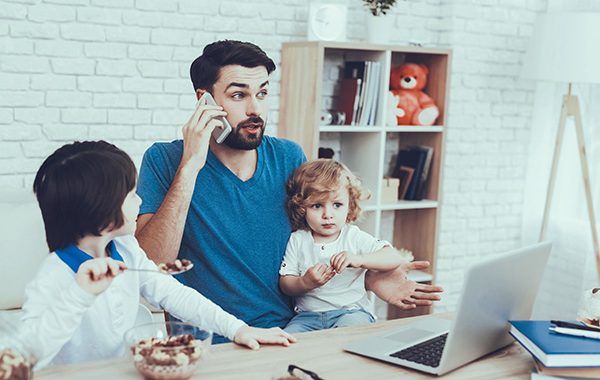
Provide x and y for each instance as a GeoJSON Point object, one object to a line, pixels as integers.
{"type": "Point", "coordinates": [427, 353]}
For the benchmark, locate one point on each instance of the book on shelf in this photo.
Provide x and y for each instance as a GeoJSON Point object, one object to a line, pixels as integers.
{"type": "Point", "coordinates": [555, 350]}
{"type": "Point", "coordinates": [405, 174]}
{"type": "Point", "coordinates": [371, 95]}
{"type": "Point", "coordinates": [366, 96]}
{"type": "Point", "coordinates": [420, 191]}
{"type": "Point", "coordinates": [419, 158]}
{"type": "Point", "coordinates": [355, 69]}
{"type": "Point", "coordinates": [349, 98]}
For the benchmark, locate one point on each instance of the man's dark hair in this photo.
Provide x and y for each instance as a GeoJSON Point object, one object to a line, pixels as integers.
{"type": "Point", "coordinates": [81, 188]}
{"type": "Point", "coordinates": [204, 71]}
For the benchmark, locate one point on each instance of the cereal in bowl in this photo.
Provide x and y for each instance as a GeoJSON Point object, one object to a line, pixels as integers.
{"type": "Point", "coordinates": [14, 366]}
{"type": "Point", "coordinates": [589, 309]}
{"type": "Point", "coordinates": [177, 266]}
{"type": "Point", "coordinates": [172, 358]}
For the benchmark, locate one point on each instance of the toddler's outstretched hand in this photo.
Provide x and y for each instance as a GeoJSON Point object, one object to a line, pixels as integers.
{"type": "Point", "coordinates": [317, 275]}
{"type": "Point", "coordinates": [95, 275]}
{"type": "Point", "coordinates": [252, 337]}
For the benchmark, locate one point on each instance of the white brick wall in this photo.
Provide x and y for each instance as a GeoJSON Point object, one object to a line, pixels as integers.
{"type": "Point", "coordinates": [490, 108]}
{"type": "Point", "coordinates": [118, 70]}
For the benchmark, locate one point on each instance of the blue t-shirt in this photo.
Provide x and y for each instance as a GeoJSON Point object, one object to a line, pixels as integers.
{"type": "Point", "coordinates": [235, 232]}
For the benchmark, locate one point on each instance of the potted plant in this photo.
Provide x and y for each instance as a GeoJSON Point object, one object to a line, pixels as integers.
{"type": "Point", "coordinates": [378, 24]}
{"type": "Point", "coordinates": [379, 7]}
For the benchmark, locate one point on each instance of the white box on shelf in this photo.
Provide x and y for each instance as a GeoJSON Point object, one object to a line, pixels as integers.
{"type": "Point", "coordinates": [389, 190]}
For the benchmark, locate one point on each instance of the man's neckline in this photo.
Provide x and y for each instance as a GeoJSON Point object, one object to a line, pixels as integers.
{"type": "Point", "coordinates": [237, 165]}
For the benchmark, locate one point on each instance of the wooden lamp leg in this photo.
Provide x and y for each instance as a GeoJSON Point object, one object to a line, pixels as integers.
{"type": "Point", "coordinates": [555, 157]}
{"type": "Point", "coordinates": [586, 178]}
{"type": "Point", "coordinates": [570, 107]}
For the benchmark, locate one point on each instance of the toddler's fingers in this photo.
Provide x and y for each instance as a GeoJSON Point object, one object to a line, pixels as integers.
{"type": "Point", "coordinates": [343, 265]}
{"type": "Point", "coordinates": [334, 259]}
{"type": "Point", "coordinates": [329, 276]}
{"type": "Point", "coordinates": [337, 263]}
{"type": "Point", "coordinates": [320, 268]}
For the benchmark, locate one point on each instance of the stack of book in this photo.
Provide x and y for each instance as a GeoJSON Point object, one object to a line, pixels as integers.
{"type": "Point", "coordinates": [412, 168]}
{"type": "Point", "coordinates": [359, 92]}
{"type": "Point", "coordinates": [561, 349]}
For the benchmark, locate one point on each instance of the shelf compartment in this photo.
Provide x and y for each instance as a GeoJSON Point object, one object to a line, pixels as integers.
{"type": "Point", "coordinates": [438, 64]}
{"type": "Point", "coordinates": [409, 205]}
{"type": "Point", "coordinates": [358, 151]}
{"type": "Point", "coordinates": [310, 85]}
{"type": "Point", "coordinates": [409, 228]}
{"type": "Point", "coordinates": [415, 128]}
{"type": "Point", "coordinates": [367, 221]}
{"type": "Point", "coordinates": [350, 128]}
{"type": "Point", "coordinates": [370, 207]}
{"type": "Point", "coordinates": [434, 140]}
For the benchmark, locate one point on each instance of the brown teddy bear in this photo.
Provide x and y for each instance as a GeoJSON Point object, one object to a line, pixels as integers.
{"type": "Point", "coordinates": [407, 103]}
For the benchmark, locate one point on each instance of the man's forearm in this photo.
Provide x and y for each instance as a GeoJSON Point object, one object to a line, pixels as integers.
{"type": "Point", "coordinates": [161, 236]}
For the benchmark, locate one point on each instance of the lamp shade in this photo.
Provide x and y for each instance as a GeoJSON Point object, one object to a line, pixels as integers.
{"type": "Point", "coordinates": [564, 47]}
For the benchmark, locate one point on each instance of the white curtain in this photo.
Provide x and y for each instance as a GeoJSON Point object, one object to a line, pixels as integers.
{"type": "Point", "coordinates": [571, 268]}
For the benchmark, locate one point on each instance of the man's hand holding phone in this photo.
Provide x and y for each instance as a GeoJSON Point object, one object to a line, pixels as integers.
{"type": "Point", "coordinates": [220, 133]}
{"type": "Point", "coordinates": [197, 133]}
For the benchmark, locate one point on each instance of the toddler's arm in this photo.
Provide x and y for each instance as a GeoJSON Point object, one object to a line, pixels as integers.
{"type": "Point", "coordinates": [387, 258]}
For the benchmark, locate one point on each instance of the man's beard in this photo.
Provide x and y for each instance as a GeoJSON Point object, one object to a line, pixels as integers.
{"type": "Point", "coordinates": [237, 140]}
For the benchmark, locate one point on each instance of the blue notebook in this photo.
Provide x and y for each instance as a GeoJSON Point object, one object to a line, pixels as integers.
{"type": "Point", "coordinates": [556, 350]}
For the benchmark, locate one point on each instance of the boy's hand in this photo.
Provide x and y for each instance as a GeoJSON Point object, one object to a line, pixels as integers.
{"type": "Point", "coordinates": [196, 135]}
{"type": "Point", "coordinates": [252, 337]}
{"type": "Point", "coordinates": [317, 276]}
{"type": "Point", "coordinates": [95, 275]}
{"type": "Point", "coordinates": [344, 259]}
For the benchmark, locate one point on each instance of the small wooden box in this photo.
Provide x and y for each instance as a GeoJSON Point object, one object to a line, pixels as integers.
{"type": "Point", "coordinates": [389, 190]}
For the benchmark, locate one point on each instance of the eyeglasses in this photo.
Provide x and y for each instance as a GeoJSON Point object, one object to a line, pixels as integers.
{"type": "Point", "coordinates": [311, 374]}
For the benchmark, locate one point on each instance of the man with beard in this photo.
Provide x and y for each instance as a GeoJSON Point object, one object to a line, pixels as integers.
{"type": "Point", "coordinates": [222, 205]}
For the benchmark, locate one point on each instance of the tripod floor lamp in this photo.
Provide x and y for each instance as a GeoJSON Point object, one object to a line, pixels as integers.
{"type": "Point", "coordinates": [564, 48]}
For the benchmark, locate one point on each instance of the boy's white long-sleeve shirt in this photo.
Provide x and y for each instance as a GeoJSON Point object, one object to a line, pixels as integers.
{"type": "Point", "coordinates": [63, 324]}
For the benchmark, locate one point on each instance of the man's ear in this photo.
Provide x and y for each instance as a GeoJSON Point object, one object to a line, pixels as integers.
{"type": "Point", "coordinates": [199, 93]}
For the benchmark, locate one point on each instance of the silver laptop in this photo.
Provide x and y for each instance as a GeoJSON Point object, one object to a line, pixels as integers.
{"type": "Point", "coordinates": [495, 291]}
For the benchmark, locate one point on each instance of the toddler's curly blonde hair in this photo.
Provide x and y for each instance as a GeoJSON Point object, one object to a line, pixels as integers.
{"type": "Point", "coordinates": [315, 181]}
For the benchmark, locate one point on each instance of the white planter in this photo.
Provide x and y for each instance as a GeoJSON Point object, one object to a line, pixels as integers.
{"type": "Point", "coordinates": [379, 28]}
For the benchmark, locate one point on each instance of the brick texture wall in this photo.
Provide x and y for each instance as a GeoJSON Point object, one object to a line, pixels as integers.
{"type": "Point", "coordinates": [118, 70]}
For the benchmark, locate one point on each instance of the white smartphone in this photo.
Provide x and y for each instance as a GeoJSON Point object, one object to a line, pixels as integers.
{"type": "Point", "coordinates": [219, 133]}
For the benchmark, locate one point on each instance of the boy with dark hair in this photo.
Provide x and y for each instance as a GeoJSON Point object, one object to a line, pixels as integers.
{"type": "Point", "coordinates": [83, 298]}
{"type": "Point", "coordinates": [72, 207]}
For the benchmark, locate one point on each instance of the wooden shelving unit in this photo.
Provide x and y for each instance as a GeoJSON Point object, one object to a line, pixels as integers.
{"type": "Point", "coordinates": [306, 70]}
